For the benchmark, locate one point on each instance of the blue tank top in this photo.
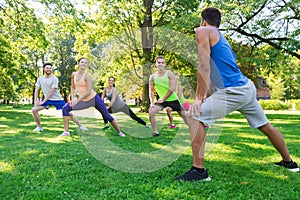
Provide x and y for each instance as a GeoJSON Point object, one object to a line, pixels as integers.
{"type": "Point", "coordinates": [224, 69]}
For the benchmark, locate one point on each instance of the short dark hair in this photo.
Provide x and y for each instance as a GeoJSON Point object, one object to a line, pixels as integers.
{"type": "Point", "coordinates": [159, 57]}
{"type": "Point", "coordinates": [47, 63]}
{"type": "Point", "coordinates": [80, 59]}
{"type": "Point", "coordinates": [212, 15]}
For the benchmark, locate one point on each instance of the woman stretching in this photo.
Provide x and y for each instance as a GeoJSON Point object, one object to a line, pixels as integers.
{"type": "Point", "coordinates": [82, 82]}
{"type": "Point", "coordinates": [116, 104]}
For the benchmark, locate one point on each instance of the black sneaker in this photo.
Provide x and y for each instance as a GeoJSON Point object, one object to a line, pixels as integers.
{"type": "Point", "coordinates": [194, 175]}
{"type": "Point", "coordinates": [105, 127]}
{"type": "Point", "coordinates": [155, 134]}
{"type": "Point", "coordinates": [293, 167]}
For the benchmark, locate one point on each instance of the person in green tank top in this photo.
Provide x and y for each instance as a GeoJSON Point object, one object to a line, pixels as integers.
{"type": "Point", "coordinates": [164, 82]}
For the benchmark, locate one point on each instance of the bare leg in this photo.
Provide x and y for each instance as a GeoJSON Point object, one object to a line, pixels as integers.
{"type": "Point", "coordinates": [152, 111]}
{"type": "Point", "coordinates": [277, 140]}
{"type": "Point", "coordinates": [115, 125]}
{"type": "Point", "coordinates": [198, 137]}
{"type": "Point", "coordinates": [66, 123]}
{"type": "Point", "coordinates": [35, 112]}
{"type": "Point", "coordinates": [74, 119]}
{"type": "Point", "coordinates": [184, 117]}
{"type": "Point", "coordinates": [170, 116]}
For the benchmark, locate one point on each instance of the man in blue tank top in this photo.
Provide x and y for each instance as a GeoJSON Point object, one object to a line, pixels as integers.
{"type": "Point", "coordinates": [222, 89]}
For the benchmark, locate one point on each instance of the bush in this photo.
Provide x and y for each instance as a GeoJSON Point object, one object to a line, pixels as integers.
{"type": "Point", "coordinates": [274, 104]}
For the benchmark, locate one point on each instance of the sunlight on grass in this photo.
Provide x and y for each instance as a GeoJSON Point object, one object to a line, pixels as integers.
{"type": "Point", "coordinates": [227, 152]}
{"type": "Point", "coordinates": [55, 140]}
{"type": "Point", "coordinates": [272, 174]}
{"type": "Point", "coordinates": [258, 146]}
{"type": "Point", "coordinates": [5, 167]}
{"type": "Point", "coordinates": [251, 136]}
{"type": "Point", "coordinates": [3, 126]}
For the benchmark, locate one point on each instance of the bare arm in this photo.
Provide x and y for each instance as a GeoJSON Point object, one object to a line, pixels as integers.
{"type": "Point", "coordinates": [36, 95]}
{"type": "Point", "coordinates": [48, 95]}
{"type": "Point", "coordinates": [179, 91]}
{"type": "Point", "coordinates": [72, 87]}
{"type": "Point", "coordinates": [203, 72]}
{"type": "Point", "coordinates": [151, 89]}
{"type": "Point", "coordinates": [103, 93]}
{"type": "Point", "coordinates": [114, 96]}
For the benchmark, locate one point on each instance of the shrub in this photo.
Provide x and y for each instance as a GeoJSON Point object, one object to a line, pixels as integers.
{"type": "Point", "coordinates": [274, 104]}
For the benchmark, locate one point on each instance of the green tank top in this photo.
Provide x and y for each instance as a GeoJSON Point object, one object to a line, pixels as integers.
{"type": "Point", "coordinates": [162, 86]}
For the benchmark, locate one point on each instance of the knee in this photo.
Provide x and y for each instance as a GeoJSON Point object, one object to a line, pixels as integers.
{"type": "Point", "coordinates": [34, 110]}
{"type": "Point", "coordinates": [66, 109]}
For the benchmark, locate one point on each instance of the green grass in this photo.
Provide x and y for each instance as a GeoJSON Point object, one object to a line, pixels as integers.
{"type": "Point", "coordinates": [99, 164]}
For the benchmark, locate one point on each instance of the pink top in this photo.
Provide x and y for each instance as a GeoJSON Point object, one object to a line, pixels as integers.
{"type": "Point", "coordinates": [81, 87]}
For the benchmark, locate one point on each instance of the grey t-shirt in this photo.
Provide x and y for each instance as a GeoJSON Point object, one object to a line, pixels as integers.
{"type": "Point", "coordinates": [46, 84]}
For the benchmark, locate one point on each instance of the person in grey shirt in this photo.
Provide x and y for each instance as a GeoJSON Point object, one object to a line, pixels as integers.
{"type": "Point", "coordinates": [116, 104]}
{"type": "Point", "coordinates": [49, 85]}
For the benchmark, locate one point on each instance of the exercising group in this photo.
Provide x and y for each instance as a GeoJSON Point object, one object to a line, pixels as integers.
{"type": "Point", "coordinates": [217, 69]}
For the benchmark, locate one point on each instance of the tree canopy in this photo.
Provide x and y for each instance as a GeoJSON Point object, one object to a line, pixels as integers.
{"type": "Point", "coordinates": [122, 38]}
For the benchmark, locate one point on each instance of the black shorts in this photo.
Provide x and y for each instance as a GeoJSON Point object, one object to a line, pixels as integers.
{"type": "Point", "coordinates": [175, 105]}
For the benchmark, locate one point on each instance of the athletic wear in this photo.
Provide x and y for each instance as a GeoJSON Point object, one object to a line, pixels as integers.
{"type": "Point", "coordinates": [121, 106]}
{"type": "Point", "coordinates": [239, 93]}
{"type": "Point", "coordinates": [81, 87]}
{"type": "Point", "coordinates": [47, 84]}
{"type": "Point", "coordinates": [224, 70]}
{"type": "Point", "coordinates": [94, 102]}
{"type": "Point", "coordinates": [59, 104]}
{"type": "Point", "coordinates": [162, 86]}
{"type": "Point", "coordinates": [224, 101]}
{"type": "Point", "coordinates": [175, 105]}
{"type": "Point", "coordinates": [118, 104]}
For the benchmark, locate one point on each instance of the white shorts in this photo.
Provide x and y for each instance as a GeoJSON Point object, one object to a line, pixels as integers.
{"type": "Point", "coordinates": [224, 101]}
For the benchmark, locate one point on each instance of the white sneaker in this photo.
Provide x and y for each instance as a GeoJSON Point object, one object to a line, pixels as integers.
{"type": "Point", "coordinates": [83, 128]}
{"type": "Point", "coordinates": [37, 129]}
{"type": "Point", "coordinates": [122, 134]}
{"type": "Point", "coordinates": [67, 134]}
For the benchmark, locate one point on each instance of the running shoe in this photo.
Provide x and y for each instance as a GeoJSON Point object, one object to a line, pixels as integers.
{"type": "Point", "coordinates": [122, 134]}
{"type": "Point", "coordinates": [292, 166]}
{"type": "Point", "coordinates": [83, 128]}
{"type": "Point", "coordinates": [65, 134]}
{"type": "Point", "coordinates": [172, 126]}
{"type": "Point", "coordinates": [37, 129]}
{"type": "Point", "coordinates": [194, 175]}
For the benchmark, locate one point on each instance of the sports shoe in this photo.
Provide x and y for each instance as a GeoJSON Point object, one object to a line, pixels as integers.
{"type": "Point", "coordinates": [147, 126]}
{"type": "Point", "coordinates": [105, 127]}
{"type": "Point", "coordinates": [83, 128]}
{"type": "Point", "coordinates": [194, 175]}
{"type": "Point", "coordinates": [293, 167]}
{"type": "Point", "coordinates": [155, 134]}
{"type": "Point", "coordinates": [66, 134]}
{"type": "Point", "coordinates": [172, 126]}
{"type": "Point", "coordinates": [37, 129]}
{"type": "Point", "coordinates": [122, 134]}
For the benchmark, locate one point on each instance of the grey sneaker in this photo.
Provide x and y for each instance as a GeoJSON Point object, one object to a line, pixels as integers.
{"type": "Point", "coordinates": [292, 166]}
{"type": "Point", "coordinates": [83, 128]}
{"type": "Point", "coordinates": [65, 134]}
{"type": "Point", "coordinates": [122, 134]}
{"type": "Point", "coordinates": [37, 129]}
{"type": "Point", "coordinates": [194, 175]}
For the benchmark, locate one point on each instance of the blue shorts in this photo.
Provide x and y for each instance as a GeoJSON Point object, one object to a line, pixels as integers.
{"type": "Point", "coordinates": [57, 103]}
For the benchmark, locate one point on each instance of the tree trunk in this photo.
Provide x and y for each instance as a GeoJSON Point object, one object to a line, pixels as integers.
{"type": "Point", "coordinates": [147, 42]}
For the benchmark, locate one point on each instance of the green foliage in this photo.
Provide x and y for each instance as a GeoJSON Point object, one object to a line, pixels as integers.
{"type": "Point", "coordinates": [274, 104]}
{"type": "Point", "coordinates": [277, 86]}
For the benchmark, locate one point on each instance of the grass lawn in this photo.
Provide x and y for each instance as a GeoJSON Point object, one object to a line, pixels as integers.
{"type": "Point", "coordinates": [98, 164]}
